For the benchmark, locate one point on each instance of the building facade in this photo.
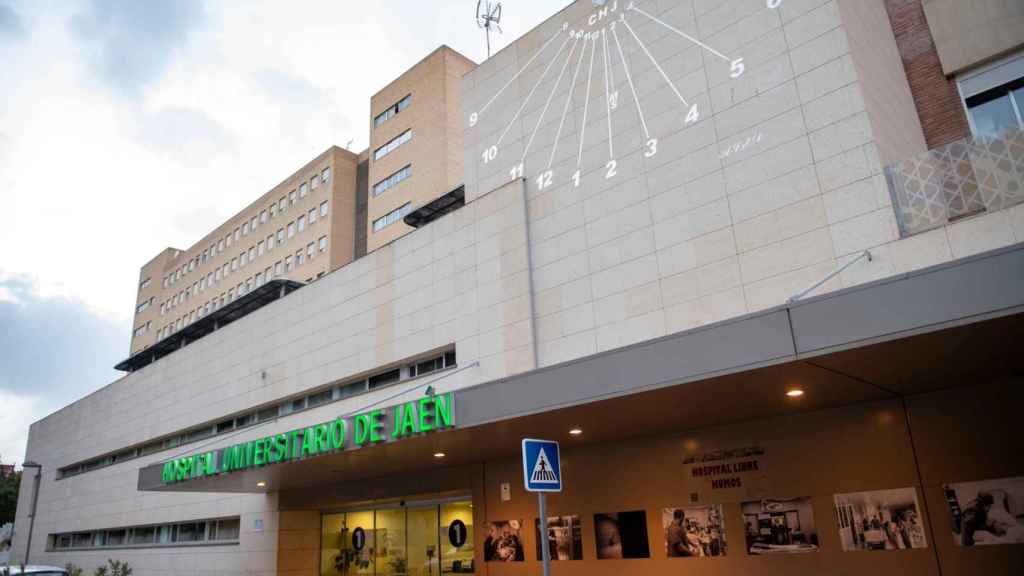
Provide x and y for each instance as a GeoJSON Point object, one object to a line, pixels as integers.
{"type": "Point", "coordinates": [727, 253]}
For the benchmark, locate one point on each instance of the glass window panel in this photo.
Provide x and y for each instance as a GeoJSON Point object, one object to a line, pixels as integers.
{"type": "Point", "coordinates": [994, 117]}
{"type": "Point", "coordinates": [456, 560]}
{"type": "Point", "coordinates": [391, 543]}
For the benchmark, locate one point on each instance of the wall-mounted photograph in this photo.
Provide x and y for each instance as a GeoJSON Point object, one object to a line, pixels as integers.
{"type": "Point", "coordinates": [504, 541]}
{"type": "Point", "coordinates": [988, 512]}
{"type": "Point", "coordinates": [780, 526]}
{"type": "Point", "coordinates": [880, 520]}
{"type": "Point", "coordinates": [621, 535]}
{"type": "Point", "coordinates": [693, 532]}
{"type": "Point", "coordinates": [565, 538]}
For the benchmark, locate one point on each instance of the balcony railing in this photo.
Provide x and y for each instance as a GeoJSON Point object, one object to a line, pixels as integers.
{"type": "Point", "coordinates": [960, 179]}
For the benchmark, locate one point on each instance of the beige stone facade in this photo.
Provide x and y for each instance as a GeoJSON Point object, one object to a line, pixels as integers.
{"type": "Point", "coordinates": [971, 33]}
{"type": "Point", "coordinates": [300, 230]}
{"type": "Point", "coordinates": [434, 151]}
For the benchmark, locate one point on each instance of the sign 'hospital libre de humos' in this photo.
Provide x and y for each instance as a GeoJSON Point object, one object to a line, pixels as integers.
{"type": "Point", "coordinates": [397, 422]}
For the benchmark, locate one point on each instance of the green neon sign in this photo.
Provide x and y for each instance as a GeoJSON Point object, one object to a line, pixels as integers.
{"type": "Point", "coordinates": [412, 418]}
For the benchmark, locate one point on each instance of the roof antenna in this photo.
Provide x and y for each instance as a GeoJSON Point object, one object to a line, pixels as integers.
{"type": "Point", "coordinates": [487, 16]}
{"type": "Point", "coordinates": [348, 145]}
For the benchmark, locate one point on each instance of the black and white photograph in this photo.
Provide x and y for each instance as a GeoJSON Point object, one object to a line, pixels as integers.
{"type": "Point", "coordinates": [504, 541]}
{"type": "Point", "coordinates": [694, 532]}
{"type": "Point", "coordinates": [780, 526]}
{"type": "Point", "coordinates": [880, 520]}
{"type": "Point", "coordinates": [565, 538]}
{"type": "Point", "coordinates": [988, 512]}
{"type": "Point", "coordinates": [621, 535]}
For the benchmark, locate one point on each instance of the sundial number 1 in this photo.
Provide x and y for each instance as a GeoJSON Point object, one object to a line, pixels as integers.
{"type": "Point", "coordinates": [576, 179]}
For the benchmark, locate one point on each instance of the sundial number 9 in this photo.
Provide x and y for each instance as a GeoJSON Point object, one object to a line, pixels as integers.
{"type": "Point", "coordinates": [773, 4]}
{"type": "Point", "coordinates": [490, 154]}
{"type": "Point", "coordinates": [473, 119]}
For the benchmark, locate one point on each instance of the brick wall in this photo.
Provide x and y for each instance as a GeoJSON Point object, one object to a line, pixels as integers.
{"type": "Point", "coordinates": [936, 97]}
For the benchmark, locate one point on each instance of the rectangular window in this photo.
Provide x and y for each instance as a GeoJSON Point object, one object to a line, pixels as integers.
{"type": "Point", "coordinates": [281, 204]}
{"type": "Point", "coordinates": [291, 229]}
{"type": "Point", "coordinates": [242, 259]}
{"type": "Point", "coordinates": [259, 279]}
{"type": "Point", "coordinates": [392, 111]}
{"type": "Point", "coordinates": [300, 258]}
{"type": "Point", "coordinates": [323, 208]}
{"type": "Point", "coordinates": [303, 190]}
{"type": "Point", "coordinates": [259, 248]}
{"type": "Point", "coordinates": [270, 243]}
{"type": "Point", "coordinates": [266, 274]}
{"type": "Point", "coordinates": [227, 240]}
{"type": "Point", "coordinates": [310, 250]}
{"type": "Point", "coordinates": [392, 217]}
{"type": "Point", "coordinates": [326, 175]}
{"type": "Point", "coordinates": [144, 284]}
{"type": "Point", "coordinates": [392, 145]}
{"type": "Point", "coordinates": [323, 243]}
{"type": "Point", "coordinates": [252, 224]}
{"type": "Point", "coordinates": [238, 234]}
{"type": "Point", "coordinates": [252, 254]}
{"type": "Point", "coordinates": [302, 223]}
{"type": "Point", "coordinates": [385, 378]}
{"type": "Point", "coordinates": [291, 197]}
{"type": "Point", "coordinates": [245, 228]}
{"type": "Point", "coordinates": [288, 264]}
{"type": "Point", "coordinates": [314, 182]}
{"type": "Point", "coordinates": [312, 216]}
{"type": "Point", "coordinates": [277, 268]}
{"type": "Point", "coordinates": [280, 235]}
{"type": "Point", "coordinates": [392, 181]}
{"type": "Point", "coordinates": [263, 217]}
{"type": "Point", "coordinates": [273, 210]}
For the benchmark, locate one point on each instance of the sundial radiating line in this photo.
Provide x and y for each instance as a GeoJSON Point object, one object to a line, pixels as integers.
{"type": "Point", "coordinates": [655, 62]}
{"type": "Point", "coordinates": [519, 73]}
{"type": "Point", "coordinates": [608, 94]}
{"type": "Point", "coordinates": [568, 102]}
{"type": "Point", "coordinates": [586, 104]}
{"type": "Point", "coordinates": [551, 97]}
{"type": "Point", "coordinates": [681, 33]}
{"type": "Point", "coordinates": [629, 78]}
{"type": "Point", "coordinates": [530, 95]}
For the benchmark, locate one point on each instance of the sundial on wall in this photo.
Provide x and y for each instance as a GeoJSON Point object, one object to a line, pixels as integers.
{"type": "Point", "coordinates": [582, 61]}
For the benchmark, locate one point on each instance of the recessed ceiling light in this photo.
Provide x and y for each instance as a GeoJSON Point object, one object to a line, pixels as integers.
{"type": "Point", "coordinates": [261, 484]}
{"type": "Point", "coordinates": [439, 454]}
{"type": "Point", "coordinates": [576, 431]}
{"type": "Point", "coordinates": [795, 393]}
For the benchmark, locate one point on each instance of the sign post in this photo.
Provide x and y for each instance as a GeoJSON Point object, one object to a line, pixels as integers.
{"type": "Point", "coordinates": [542, 473]}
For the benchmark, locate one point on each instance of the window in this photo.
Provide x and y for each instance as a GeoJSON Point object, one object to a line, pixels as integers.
{"type": "Point", "coordinates": [392, 145]}
{"type": "Point", "coordinates": [209, 279]}
{"type": "Point", "coordinates": [277, 268]}
{"type": "Point", "coordinates": [392, 111]}
{"type": "Point", "coordinates": [245, 228]}
{"type": "Point", "coordinates": [288, 264]}
{"type": "Point", "coordinates": [266, 274]}
{"type": "Point", "coordinates": [227, 240]}
{"type": "Point", "coordinates": [300, 257]}
{"type": "Point", "coordinates": [225, 529]}
{"type": "Point", "coordinates": [326, 175]}
{"type": "Point", "coordinates": [252, 254]}
{"type": "Point", "coordinates": [323, 208]}
{"type": "Point", "coordinates": [252, 224]}
{"type": "Point", "coordinates": [310, 250]}
{"type": "Point", "coordinates": [238, 234]}
{"type": "Point", "coordinates": [392, 181]}
{"type": "Point", "coordinates": [291, 229]}
{"type": "Point", "coordinates": [259, 248]}
{"type": "Point", "coordinates": [323, 243]}
{"type": "Point", "coordinates": [291, 197]}
{"type": "Point", "coordinates": [259, 279]}
{"type": "Point", "coordinates": [263, 217]}
{"type": "Point", "coordinates": [312, 216]}
{"type": "Point", "coordinates": [144, 284]}
{"type": "Point", "coordinates": [302, 223]}
{"type": "Point", "coordinates": [270, 243]}
{"type": "Point", "coordinates": [314, 182]}
{"type": "Point", "coordinates": [994, 98]}
{"type": "Point", "coordinates": [385, 378]}
{"type": "Point", "coordinates": [273, 210]}
{"type": "Point", "coordinates": [281, 204]}
{"type": "Point", "coordinates": [392, 217]}
{"type": "Point", "coordinates": [303, 190]}
{"type": "Point", "coordinates": [220, 246]}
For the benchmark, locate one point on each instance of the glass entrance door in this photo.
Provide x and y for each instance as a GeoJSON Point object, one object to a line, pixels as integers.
{"type": "Point", "coordinates": [417, 539]}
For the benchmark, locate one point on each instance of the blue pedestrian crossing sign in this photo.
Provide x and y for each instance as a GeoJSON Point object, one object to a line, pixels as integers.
{"type": "Point", "coordinates": [542, 471]}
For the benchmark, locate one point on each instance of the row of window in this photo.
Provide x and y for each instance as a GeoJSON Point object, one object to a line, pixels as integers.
{"type": "Point", "coordinates": [392, 181]}
{"type": "Point", "coordinates": [391, 217]}
{"type": "Point", "coordinates": [265, 215]}
{"type": "Point", "coordinates": [280, 268]}
{"type": "Point", "coordinates": [145, 284]}
{"type": "Point", "coordinates": [144, 305]}
{"type": "Point", "coordinates": [246, 257]}
{"type": "Point", "coordinates": [392, 145]}
{"type": "Point", "coordinates": [221, 531]}
{"type": "Point", "coordinates": [392, 111]}
{"type": "Point", "coordinates": [345, 389]}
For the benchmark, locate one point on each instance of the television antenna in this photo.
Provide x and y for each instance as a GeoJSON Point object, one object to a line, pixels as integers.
{"type": "Point", "coordinates": [488, 16]}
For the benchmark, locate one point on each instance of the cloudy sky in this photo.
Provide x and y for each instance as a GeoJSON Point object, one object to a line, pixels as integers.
{"type": "Point", "coordinates": [128, 126]}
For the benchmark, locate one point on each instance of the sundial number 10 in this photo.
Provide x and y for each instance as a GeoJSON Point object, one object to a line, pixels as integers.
{"type": "Point", "coordinates": [490, 154]}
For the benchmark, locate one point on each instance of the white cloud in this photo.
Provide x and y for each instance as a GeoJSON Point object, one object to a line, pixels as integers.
{"type": "Point", "coordinates": [20, 410]}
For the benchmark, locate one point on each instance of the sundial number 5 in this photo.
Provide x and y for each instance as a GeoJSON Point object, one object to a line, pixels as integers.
{"type": "Point", "coordinates": [490, 154]}
{"type": "Point", "coordinates": [738, 68]}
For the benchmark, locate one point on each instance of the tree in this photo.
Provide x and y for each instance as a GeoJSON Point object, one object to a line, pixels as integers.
{"type": "Point", "coordinates": [9, 487]}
